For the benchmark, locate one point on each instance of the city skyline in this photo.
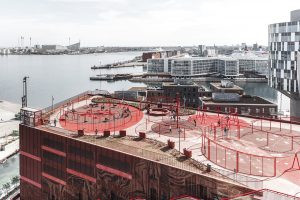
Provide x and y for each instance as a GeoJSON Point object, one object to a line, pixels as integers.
{"type": "Point", "coordinates": [139, 22]}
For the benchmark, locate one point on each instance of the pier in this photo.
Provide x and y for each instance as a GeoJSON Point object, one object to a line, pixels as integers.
{"type": "Point", "coordinates": [120, 65]}
{"type": "Point", "coordinates": [111, 77]}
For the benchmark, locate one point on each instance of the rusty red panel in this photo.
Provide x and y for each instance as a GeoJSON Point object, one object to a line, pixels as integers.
{"type": "Point", "coordinates": [81, 175]}
{"type": "Point", "coordinates": [114, 171]}
{"type": "Point", "coordinates": [57, 180]}
{"type": "Point", "coordinates": [30, 156]}
{"type": "Point", "coordinates": [31, 181]}
{"type": "Point", "coordinates": [57, 152]}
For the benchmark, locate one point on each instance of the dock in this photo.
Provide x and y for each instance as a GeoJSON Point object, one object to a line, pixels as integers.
{"type": "Point", "coordinates": [111, 77]}
{"type": "Point", "coordinates": [120, 65]}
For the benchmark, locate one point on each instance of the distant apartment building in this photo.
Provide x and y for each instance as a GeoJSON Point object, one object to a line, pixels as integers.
{"type": "Point", "coordinates": [202, 66]}
{"type": "Point", "coordinates": [157, 65]}
{"type": "Point", "coordinates": [194, 66]}
{"type": "Point", "coordinates": [253, 65]}
{"type": "Point", "coordinates": [201, 50]}
{"type": "Point", "coordinates": [207, 51]}
{"type": "Point", "coordinates": [158, 54]}
{"type": "Point", "coordinates": [255, 47]}
{"type": "Point", "coordinates": [211, 52]}
{"type": "Point", "coordinates": [284, 39]}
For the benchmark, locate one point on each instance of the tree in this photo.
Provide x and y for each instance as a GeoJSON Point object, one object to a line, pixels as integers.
{"type": "Point", "coordinates": [14, 180]}
{"type": "Point", "coordinates": [6, 187]}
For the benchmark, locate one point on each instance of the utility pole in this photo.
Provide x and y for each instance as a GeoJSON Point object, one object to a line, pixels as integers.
{"type": "Point", "coordinates": [184, 100]}
{"type": "Point", "coordinates": [24, 97]}
{"type": "Point", "coordinates": [100, 77]}
{"type": "Point", "coordinates": [114, 125]}
{"type": "Point", "coordinates": [52, 104]}
{"type": "Point", "coordinates": [177, 112]}
{"type": "Point", "coordinates": [177, 108]}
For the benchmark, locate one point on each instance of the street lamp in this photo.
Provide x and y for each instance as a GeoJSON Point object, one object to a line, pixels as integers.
{"type": "Point", "coordinates": [177, 108]}
{"type": "Point", "coordinates": [52, 100]}
{"type": "Point", "coordinates": [114, 124]}
{"type": "Point", "coordinates": [184, 100]}
{"type": "Point", "coordinates": [24, 97]}
{"type": "Point", "coordinates": [179, 138]}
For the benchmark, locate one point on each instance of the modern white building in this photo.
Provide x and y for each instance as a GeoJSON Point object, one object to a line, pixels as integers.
{"type": "Point", "coordinates": [202, 66]}
{"type": "Point", "coordinates": [253, 65]}
{"type": "Point", "coordinates": [194, 66]}
{"type": "Point", "coordinates": [284, 39]}
{"type": "Point", "coordinates": [159, 65]}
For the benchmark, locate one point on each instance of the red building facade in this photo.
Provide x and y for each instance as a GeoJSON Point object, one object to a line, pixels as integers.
{"type": "Point", "coordinates": [54, 166]}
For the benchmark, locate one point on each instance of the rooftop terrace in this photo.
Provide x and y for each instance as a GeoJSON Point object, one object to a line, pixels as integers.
{"type": "Point", "coordinates": [192, 130]}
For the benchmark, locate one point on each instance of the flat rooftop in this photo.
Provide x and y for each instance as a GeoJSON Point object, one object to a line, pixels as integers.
{"type": "Point", "coordinates": [171, 84]}
{"type": "Point", "coordinates": [219, 87]}
{"type": "Point", "coordinates": [244, 100]}
{"type": "Point", "coordinates": [148, 149]}
{"type": "Point", "coordinates": [138, 89]}
{"type": "Point", "coordinates": [90, 112]}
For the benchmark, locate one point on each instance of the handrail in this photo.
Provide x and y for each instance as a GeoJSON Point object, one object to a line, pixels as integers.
{"type": "Point", "coordinates": [261, 191]}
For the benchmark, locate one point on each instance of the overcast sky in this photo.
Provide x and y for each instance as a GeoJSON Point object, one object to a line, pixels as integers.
{"type": "Point", "coordinates": [141, 22]}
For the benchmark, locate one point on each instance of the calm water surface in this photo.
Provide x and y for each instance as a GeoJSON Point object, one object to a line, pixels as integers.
{"type": "Point", "coordinates": [62, 76]}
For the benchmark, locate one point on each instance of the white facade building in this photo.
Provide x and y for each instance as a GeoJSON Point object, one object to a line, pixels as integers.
{"type": "Point", "coordinates": [201, 66]}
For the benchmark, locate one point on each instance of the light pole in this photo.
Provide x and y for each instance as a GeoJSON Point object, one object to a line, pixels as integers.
{"type": "Point", "coordinates": [177, 108]}
{"type": "Point", "coordinates": [184, 99]}
{"type": "Point", "coordinates": [100, 77]}
{"type": "Point", "coordinates": [114, 125]}
{"type": "Point", "coordinates": [24, 97]}
{"type": "Point", "coordinates": [179, 139]}
{"type": "Point", "coordinates": [52, 100]}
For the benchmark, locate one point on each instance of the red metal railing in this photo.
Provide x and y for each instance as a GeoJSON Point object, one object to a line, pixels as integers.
{"type": "Point", "coordinates": [264, 194]}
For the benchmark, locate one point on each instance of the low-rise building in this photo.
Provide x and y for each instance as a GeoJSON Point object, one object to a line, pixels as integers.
{"type": "Point", "coordinates": [244, 104]}
{"type": "Point", "coordinates": [226, 87]}
{"type": "Point", "coordinates": [188, 92]}
{"type": "Point", "coordinates": [158, 54]}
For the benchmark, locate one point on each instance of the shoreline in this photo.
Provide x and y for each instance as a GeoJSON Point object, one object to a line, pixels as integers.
{"type": "Point", "coordinates": [198, 80]}
{"type": "Point", "coordinates": [9, 156]}
{"type": "Point", "coordinates": [8, 125]}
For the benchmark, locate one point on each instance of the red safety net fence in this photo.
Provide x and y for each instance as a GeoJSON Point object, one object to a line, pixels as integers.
{"type": "Point", "coordinates": [238, 161]}
{"type": "Point", "coordinates": [253, 149]}
{"type": "Point", "coordinates": [264, 194]}
{"type": "Point", "coordinates": [104, 114]}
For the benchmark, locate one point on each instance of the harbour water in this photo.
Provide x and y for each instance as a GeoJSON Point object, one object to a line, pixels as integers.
{"type": "Point", "coordinates": [63, 76]}
{"type": "Point", "coordinates": [60, 76]}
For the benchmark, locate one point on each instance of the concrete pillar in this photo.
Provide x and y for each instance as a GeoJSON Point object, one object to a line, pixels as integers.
{"type": "Point", "coordinates": [295, 108]}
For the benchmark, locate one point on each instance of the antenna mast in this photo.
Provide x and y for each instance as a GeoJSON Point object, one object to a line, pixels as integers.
{"type": "Point", "coordinates": [24, 97]}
